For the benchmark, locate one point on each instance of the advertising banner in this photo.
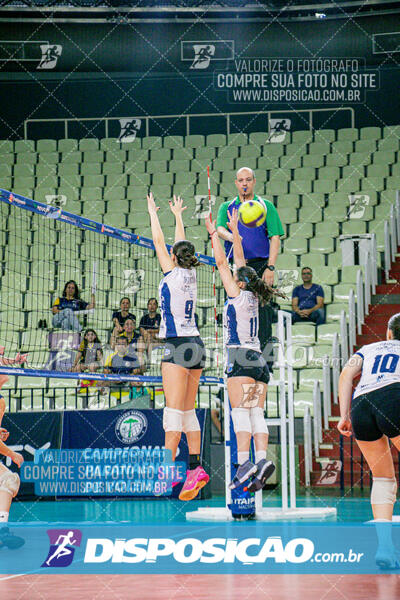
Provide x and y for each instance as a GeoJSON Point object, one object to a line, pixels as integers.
{"type": "Point", "coordinates": [257, 548]}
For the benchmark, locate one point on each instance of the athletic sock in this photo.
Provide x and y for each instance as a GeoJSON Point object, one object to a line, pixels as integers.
{"type": "Point", "coordinates": [242, 457]}
{"type": "Point", "coordinates": [384, 532]}
{"type": "Point", "coordinates": [260, 454]}
{"type": "Point", "coordinates": [3, 516]}
{"type": "Point", "coordinates": [194, 461]}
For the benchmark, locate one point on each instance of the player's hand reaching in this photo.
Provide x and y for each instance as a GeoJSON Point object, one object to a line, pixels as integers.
{"type": "Point", "coordinates": [20, 359]}
{"type": "Point", "coordinates": [233, 220]}
{"type": "Point", "coordinates": [17, 458]}
{"type": "Point", "coordinates": [210, 224]}
{"type": "Point", "coordinates": [2, 350]}
{"type": "Point", "coordinates": [176, 205]}
{"type": "Point", "coordinates": [151, 204]}
{"type": "Point", "coordinates": [4, 434]}
{"type": "Point", "coordinates": [344, 427]}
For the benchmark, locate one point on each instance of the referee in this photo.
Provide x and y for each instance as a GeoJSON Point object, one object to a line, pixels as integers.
{"type": "Point", "coordinates": [260, 244]}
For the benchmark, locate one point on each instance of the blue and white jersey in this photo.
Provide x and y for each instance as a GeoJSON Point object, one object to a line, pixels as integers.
{"type": "Point", "coordinates": [241, 321]}
{"type": "Point", "coordinates": [381, 366]}
{"type": "Point", "coordinates": [178, 295]}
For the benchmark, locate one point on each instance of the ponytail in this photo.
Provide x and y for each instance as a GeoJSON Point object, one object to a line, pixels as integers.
{"type": "Point", "coordinates": [257, 286]}
{"type": "Point", "coordinates": [185, 254]}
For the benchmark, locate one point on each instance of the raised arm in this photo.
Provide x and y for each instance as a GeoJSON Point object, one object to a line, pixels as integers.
{"type": "Point", "coordinates": [177, 209]}
{"type": "Point", "coordinates": [92, 303]}
{"type": "Point", "coordinates": [19, 359]}
{"type": "Point", "coordinates": [231, 287]}
{"type": "Point", "coordinates": [158, 236]}
{"type": "Point", "coordinates": [238, 254]}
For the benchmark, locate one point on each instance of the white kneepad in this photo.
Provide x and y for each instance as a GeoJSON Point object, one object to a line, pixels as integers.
{"type": "Point", "coordinates": [172, 419]}
{"type": "Point", "coordinates": [190, 421]}
{"type": "Point", "coordinates": [384, 490]}
{"type": "Point", "coordinates": [241, 419]}
{"type": "Point", "coordinates": [9, 482]}
{"type": "Point", "coordinates": [258, 424]}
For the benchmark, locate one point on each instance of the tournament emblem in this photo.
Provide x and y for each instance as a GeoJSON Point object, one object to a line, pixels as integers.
{"type": "Point", "coordinates": [131, 427]}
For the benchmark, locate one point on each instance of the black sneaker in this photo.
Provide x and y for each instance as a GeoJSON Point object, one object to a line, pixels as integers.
{"type": "Point", "coordinates": [9, 540]}
{"type": "Point", "coordinates": [265, 468]}
{"type": "Point", "coordinates": [243, 473]}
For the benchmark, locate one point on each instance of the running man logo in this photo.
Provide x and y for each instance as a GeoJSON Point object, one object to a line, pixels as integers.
{"type": "Point", "coordinates": [56, 199]}
{"type": "Point", "coordinates": [330, 473]}
{"type": "Point", "coordinates": [278, 128]}
{"type": "Point", "coordinates": [50, 55]}
{"type": "Point", "coordinates": [203, 53]}
{"type": "Point", "coordinates": [132, 280]}
{"type": "Point", "coordinates": [129, 130]}
{"type": "Point", "coordinates": [63, 543]}
{"type": "Point", "coordinates": [202, 209]}
{"type": "Point", "coordinates": [252, 394]}
{"type": "Point", "coordinates": [358, 204]}
{"type": "Point", "coordinates": [287, 279]}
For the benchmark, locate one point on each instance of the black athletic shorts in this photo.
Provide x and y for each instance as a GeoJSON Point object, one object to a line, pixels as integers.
{"type": "Point", "coordinates": [243, 362]}
{"type": "Point", "coordinates": [376, 414]}
{"type": "Point", "coordinates": [188, 352]}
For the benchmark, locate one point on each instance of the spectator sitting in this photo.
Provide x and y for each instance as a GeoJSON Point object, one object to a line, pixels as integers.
{"type": "Point", "coordinates": [308, 300]}
{"type": "Point", "coordinates": [88, 358]}
{"type": "Point", "coordinates": [127, 331]}
{"type": "Point", "coordinates": [69, 303]}
{"type": "Point", "coordinates": [90, 355]}
{"type": "Point", "coordinates": [120, 316]}
{"type": "Point", "coordinates": [124, 361]}
{"type": "Point", "coordinates": [150, 326]}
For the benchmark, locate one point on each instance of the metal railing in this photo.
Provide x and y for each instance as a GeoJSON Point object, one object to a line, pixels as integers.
{"type": "Point", "coordinates": [352, 319]}
{"type": "Point", "coordinates": [317, 417]}
{"type": "Point", "coordinates": [308, 456]}
{"type": "Point", "coordinates": [344, 340]}
{"type": "Point", "coordinates": [391, 235]}
{"type": "Point", "coordinates": [177, 119]}
{"type": "Point", "coordinates": [360, 300]}
{"type": "Point", "coordinates": [335, 362]}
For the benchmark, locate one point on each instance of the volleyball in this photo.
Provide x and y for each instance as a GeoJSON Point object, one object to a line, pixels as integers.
{"type": "Point", "coordinates": [252, 213]}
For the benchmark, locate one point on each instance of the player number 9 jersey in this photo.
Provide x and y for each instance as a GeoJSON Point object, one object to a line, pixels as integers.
{"type": "Point", "coordinates": [381, 366]}
{"type": "Point", "coordinates": [178, 296]}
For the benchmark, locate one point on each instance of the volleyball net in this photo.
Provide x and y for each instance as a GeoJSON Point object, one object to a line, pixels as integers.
{"type": "Point", "coordinates": [44, 246]}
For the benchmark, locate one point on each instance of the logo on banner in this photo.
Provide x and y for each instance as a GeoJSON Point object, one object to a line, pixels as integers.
{"type": "Point", "coordinates": [131, 427]}
{"type": "Point", "coordinates": [63, 543]}
{"type": "Point", "coordinates": [50, 55]}
{"type": "Point", "coordinates": [129, 129]}
{"type": "Point", "coordinates": [202, 206]}
{"type": "Point", "coordinates": [278, 128]}
{"type": "Point", "coordinates": [56, 199]}
{"type": "Point", "coordinates": [133, 280]}
{"type": "Point", "coordinates": [203, 53]}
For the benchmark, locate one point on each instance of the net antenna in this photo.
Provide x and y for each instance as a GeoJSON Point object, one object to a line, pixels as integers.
{"type": "Point", "coordinates": [213, 271]}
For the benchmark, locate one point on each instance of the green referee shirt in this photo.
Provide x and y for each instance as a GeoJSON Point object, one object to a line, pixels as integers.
{"type": "Point", "coordinates": [255, 240]}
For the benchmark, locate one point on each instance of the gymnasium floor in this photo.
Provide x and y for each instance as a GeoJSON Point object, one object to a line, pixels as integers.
{"type": "Point", "coordinates": [150, 511]}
